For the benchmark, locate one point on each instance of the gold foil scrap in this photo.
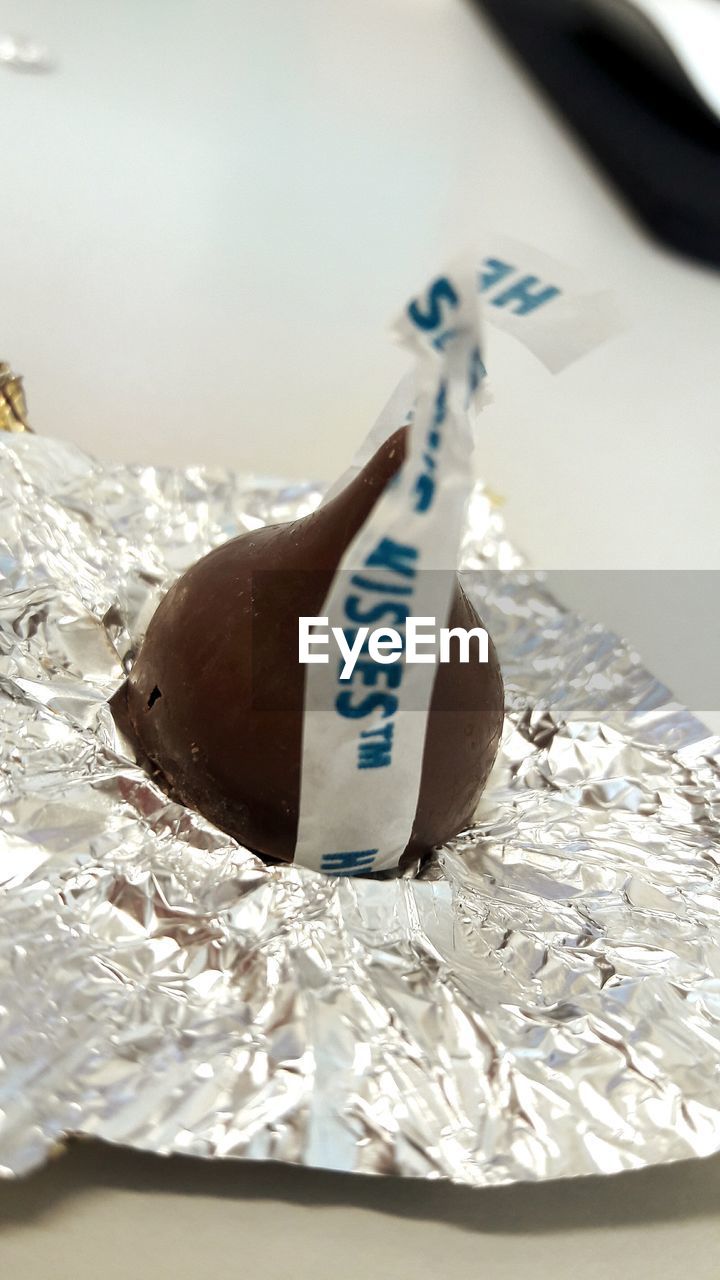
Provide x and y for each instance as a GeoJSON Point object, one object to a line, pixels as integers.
{"type": "Point", "coordinates": [13, 407]}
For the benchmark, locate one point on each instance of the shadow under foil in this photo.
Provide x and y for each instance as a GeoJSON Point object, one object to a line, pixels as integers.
{"type": "Point", "coordinates": [688, 1189]}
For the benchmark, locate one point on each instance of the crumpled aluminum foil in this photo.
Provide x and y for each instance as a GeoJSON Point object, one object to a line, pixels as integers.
{"type": "Point", "coordinates": [544, 1000]}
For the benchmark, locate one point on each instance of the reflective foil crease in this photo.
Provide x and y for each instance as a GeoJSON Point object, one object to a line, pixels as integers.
{"type": "Point", "coordinates": [543, 1000]}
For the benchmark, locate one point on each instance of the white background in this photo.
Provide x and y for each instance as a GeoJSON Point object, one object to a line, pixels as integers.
{"type": "Point", "coordinates": [210, 211]}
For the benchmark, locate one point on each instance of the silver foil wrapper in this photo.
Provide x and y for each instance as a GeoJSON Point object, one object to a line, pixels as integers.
{"type": "Point", "coordinates": [543, 1000]}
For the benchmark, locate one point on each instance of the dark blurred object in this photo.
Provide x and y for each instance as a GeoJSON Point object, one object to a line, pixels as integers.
{"type": "Point", "coordinates": [657, 142]}
{"type": "Point", "coordinates": [680, 38]}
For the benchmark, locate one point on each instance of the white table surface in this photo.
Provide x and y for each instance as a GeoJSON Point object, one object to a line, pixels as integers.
{"type": "Point", "coordinates": [210, 212]}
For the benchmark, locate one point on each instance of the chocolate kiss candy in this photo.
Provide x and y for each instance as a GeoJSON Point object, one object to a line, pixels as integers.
{"type": "Point", "coordinates": [215, 698]}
